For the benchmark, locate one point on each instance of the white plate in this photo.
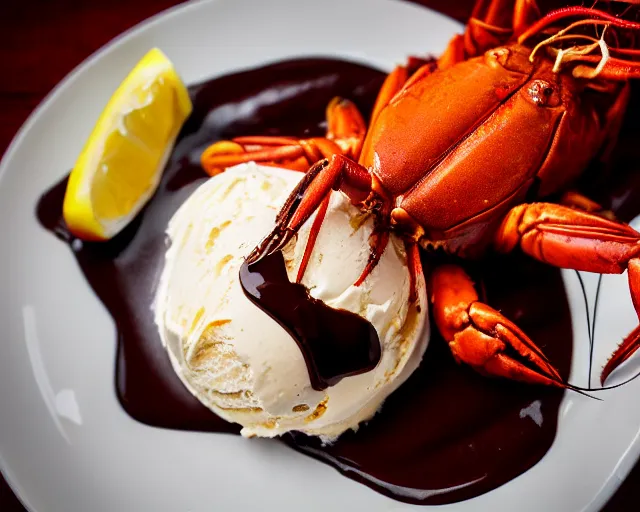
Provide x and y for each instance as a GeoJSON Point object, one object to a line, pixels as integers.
{"type": "Point", "coordinates": [67, 445]}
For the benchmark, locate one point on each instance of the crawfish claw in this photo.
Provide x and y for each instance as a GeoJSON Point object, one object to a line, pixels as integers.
{"type": "Point", "coordinates": [626, 349]}
{"type": "Point", "coordinates": [576, 239]}
{"type": "Point", "coordinates": [483, 338]}
{"type": "Point", "coordinates": [484, 344]}
{"type": "Point", "coordinates": [632, 342]}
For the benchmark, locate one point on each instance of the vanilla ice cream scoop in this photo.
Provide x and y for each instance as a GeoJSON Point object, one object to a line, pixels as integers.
{"type": "Point", "coordinates": [236, 359]}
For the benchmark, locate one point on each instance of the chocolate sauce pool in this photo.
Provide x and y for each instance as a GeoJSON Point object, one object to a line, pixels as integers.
{"type": "Point", "coordinates": [447, 434]}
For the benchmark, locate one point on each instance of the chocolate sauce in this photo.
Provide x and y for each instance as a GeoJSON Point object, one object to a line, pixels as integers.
{"type": "Point", "coordinates": [448, 433]}
{"type": "Point", "coordinates": [335, 343]}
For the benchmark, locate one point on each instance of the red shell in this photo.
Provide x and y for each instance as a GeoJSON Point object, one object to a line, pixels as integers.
{"type": "Point", "coordinates": [461, 146]}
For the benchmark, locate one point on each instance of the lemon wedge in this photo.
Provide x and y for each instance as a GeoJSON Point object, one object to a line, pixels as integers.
{"type": "Point", "coordinates": [121, 164]}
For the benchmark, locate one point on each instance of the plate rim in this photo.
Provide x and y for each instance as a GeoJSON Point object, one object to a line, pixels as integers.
{"type": "Point", "coordinates": [609, 487]}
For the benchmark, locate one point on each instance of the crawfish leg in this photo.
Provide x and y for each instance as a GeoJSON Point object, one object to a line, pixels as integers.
{"type": "Point", "coordinates": [569, 238]}
{"type": "Point", "coordinates": [311, 194]}
{"type": "Point", "coordinates": [492, 23]}
{"type": "Point", "coordinates": [415, 268]}
{"type": "Point", "coordinates": [345, 135]}
{"type": "Point", "coordinates": [480, 336]}
{"type": "Point", "coordinates": [345, 127]}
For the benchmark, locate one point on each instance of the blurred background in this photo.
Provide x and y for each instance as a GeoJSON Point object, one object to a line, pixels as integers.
{"type": "Point", "coordinates": [41, 41]}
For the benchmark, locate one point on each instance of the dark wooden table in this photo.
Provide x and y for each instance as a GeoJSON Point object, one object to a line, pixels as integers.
{"type": "Point", "coordinates": [43, 40]}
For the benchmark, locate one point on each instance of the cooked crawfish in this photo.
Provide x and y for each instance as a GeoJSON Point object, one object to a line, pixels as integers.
{"type": "Point", "coordinates": [514, 109]}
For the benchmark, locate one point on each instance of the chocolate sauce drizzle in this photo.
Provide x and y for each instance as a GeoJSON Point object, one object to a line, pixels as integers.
{"type": "Point", "coordinates": [335, 343]}
{"type": "Point", "coordinates": [447, 434]}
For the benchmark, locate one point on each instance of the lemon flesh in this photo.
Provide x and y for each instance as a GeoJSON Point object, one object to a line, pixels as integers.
{"type": "Point", "coordinates": [120, 166]}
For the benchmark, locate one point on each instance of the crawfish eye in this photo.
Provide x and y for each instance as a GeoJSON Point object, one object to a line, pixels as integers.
{"type": "Point", "coordinates": [543, 93]}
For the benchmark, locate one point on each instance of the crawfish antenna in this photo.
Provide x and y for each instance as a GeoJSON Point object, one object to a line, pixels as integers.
{"type": "Point", "coordinates": [593, 16]}
{"type": "Point", "coordinates": [596, 59]}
